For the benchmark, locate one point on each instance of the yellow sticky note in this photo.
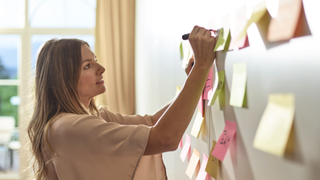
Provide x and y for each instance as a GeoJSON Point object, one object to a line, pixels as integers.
{"type": "Point", "coordinates": [187, 53]}
{"type": "Point", "coordinates": [195, 131]}
{"type": "Point", "coordinates": [213, 164]}
{"type": "Point", "coordinates": [238, 88]}
{"type": "Point", "coordinates": [275, 125]}
{"type": "Point", "coordinates": [178, 89]}
{"type": "Point", "coordinates": [220, 84]}
{"type": "Point", "coordinates": [257, 13]}
{"type": "Point", "coordinates": [181, 50]}
{"type": "Point", "coordinates": [194, 160]}
{"type": "Point", "coordinates": [223, 39]}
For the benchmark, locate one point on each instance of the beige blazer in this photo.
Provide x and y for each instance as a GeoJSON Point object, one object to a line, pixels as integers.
{"type": "Point", "coordinates": [109, 147]}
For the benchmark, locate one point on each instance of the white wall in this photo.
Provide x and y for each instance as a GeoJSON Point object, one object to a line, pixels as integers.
{"type": "Point", "coordinates": [289, 67]}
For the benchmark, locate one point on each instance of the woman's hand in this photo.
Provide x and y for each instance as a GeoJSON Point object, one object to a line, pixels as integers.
{"type": "Point", "coordinates": [202, 43]}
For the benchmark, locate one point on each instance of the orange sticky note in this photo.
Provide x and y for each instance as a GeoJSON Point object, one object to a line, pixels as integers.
{"type": "Point", "coordinates": [284, 25]}
{"type": "Point", "coordinates": [186, 148]}
{"type": "Point", "coordinates": [224, 140]}
{"type": "Point", "coordinates": [193, 163]}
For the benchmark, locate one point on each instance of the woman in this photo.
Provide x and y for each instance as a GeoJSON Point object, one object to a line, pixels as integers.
{"type": "Point", "coordinates": [72, 139]}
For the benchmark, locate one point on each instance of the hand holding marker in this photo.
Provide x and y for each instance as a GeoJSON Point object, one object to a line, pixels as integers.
{"type": "Point", "coordinates": [216, 33]}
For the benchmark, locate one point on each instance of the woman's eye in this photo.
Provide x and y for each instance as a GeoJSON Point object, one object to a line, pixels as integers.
{"type": "Point", "coordinates": [87, 66]}
{"type": "Point", "coordinates": [96, 60]}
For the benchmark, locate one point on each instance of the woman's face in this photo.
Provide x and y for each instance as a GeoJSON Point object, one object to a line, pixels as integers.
{"type": "Point", "coordinates": [90, 82]}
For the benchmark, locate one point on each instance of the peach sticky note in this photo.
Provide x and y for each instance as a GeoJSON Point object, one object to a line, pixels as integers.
{"type": "Point", "coordinates": [224, 140]}
{"type": "Point", "coordinates": [186, 148]}
{"type": "Point", "coordinates": [235, 31]}
{"type": "Point", "coordinates": [195, 131]}
{"type": "Point", "coordinates": [275, 125]}
{"type": "Point", "coordinates": [219, 83]}
{"type": "Point", "coordinates": [202, 173]}
{"type": "Point", "coordinates": [223, 39]}
{"type": "Point", "coordinates": [194, 160]}
{"type": "Point", "coordinates": [284, 25]}
{"type": "Point", "coordinates": [208, 85]}
{"type": "Point", "coordinates": [258, 12]}
{"type": "Point", "coordinates": [213, 163]}
{"type": "Point", "coordinates": [239, 81]}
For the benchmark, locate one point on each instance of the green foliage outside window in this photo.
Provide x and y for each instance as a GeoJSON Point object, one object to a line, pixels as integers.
{"type": "Point", "coordinates": [6, 92]}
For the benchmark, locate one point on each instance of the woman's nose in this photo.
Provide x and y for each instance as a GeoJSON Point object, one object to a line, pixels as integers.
{"type": "Point", "coordinates": [101, 69]}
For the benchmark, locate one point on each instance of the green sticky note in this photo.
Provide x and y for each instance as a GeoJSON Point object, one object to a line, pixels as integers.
{"type": "Point", "coordinates": [257, 13]}
{"type": "Point", "coordinates": [238, 88]}
{"type": "Point", "coordinates": [221, 77]}
{"type": "Point", "coordinates": [181, 51]}
{"type": "Point", "coordinates": [221, 41]}
{"type": "Point", "coordinates": [224, 37]}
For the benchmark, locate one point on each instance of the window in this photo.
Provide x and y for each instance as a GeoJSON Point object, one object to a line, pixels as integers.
{"type": "Point", "coordinates": [24, 26]}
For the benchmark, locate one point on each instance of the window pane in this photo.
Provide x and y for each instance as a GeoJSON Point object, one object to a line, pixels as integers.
{"type": "Point", "coordinates": [9, 45]}
{"type": "Point", "coordinates": [62, 13]}
{"type": "Point", "coordinates": [11, 13]}
{"type": "Point", "coordinates": [39, 39]}
{"type": "Point", "coordinates": [9, 101]}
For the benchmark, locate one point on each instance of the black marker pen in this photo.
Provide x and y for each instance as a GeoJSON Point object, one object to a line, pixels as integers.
{"type": "Point", "coordinates": [186, 36]}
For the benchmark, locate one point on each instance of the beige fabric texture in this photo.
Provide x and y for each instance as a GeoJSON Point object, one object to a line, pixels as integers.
{"type": "Point", "coordinates": [101, 148]}
{"type": "Point", "coordinates": [114, 48]}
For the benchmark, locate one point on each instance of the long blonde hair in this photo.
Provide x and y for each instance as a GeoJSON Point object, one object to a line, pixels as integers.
{"type": "Point", "coordinates": [57, 74]}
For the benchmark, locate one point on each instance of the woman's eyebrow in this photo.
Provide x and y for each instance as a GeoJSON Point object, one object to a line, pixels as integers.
{"type": "Point", "coordinates": [86, 60]}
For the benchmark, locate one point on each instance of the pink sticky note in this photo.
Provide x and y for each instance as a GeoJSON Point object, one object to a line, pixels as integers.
{"type": "Point", "coordinates": [241, 21]}
{"type": "Point", "coordinates": [180, 144]}
{"type": "Point", "coordinates": [224, 140]}
{"type": "Point", "coordinates": [203, 175]}
{"type": "Point", "coordinates": [186, 148]}
{"type": "Point", "coordinates": [201, 104]}
{"type": "Point", "coordinates": [208, 85]}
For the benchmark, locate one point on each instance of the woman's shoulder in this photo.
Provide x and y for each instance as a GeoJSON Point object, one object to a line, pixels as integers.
{"type": "Point", "coordinates": [64, 121]}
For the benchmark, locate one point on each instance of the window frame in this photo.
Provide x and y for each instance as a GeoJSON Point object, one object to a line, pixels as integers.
{"type": "Point", "coordinates": [25, 54]}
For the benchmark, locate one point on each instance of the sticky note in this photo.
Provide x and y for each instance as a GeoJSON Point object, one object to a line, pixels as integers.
{"type": "Point", "coordinates": [186, 148]}
{"type": "Point", "coordinates": [258, 12]}
{"type": "Point", "coordinates": [240, 24]}
{"type": "Point", "coordinates": [224, 140]}
{"type": "Point", "coordinates": [180, 143]}
{"type": "Point", "coordinates": [178, 89]}
{"type": "Point", "coordinates": [238, 87]}
{"type": "Point", "coordinates": [187, 53]}
{"type": "Point", "coordinates": [181, 50]}
{"type": "Point", "coordinates": [220, 84]}
{"type": "Point", "coordinates": [275, 125]}
{"type": "Point", "coordinates": [195, 131]}
{"type": "Point", "coordinates": [201, 105]}
{"type": "Point", "coordinates": [194, 160]}
{"type": "Point", "coordinates": [223, 39]}
{"type": "Point", "coordinates": [284, 25]}
{"type": "Point", "coordinates": [208, 85]}
{"type": "Point", "coordinates": [202, 173]}
{"type": "Point", "coordinates": [212, 167]}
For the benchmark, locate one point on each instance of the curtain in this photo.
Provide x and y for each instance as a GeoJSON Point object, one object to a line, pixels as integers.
{"type": "Point", "coordinates": [114, 48]}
